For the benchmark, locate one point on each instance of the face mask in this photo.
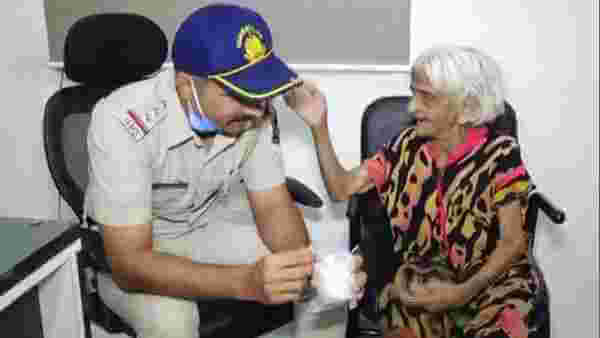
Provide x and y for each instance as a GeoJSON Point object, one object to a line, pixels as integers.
{"type": "Point", "coordinates": [199, 123]}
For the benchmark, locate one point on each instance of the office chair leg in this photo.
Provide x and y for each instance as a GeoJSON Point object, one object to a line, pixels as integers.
{"type": "Point", "coordinates": [84, 297]}
{"type": "Point", "coordinates": [354, 330]}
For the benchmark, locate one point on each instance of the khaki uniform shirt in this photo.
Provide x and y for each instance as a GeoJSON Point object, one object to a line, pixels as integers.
{"type": "Point", "coordinates": [146, 166]}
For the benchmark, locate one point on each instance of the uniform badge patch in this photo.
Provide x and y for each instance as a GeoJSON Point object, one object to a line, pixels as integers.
{"type": "Point", "coordinates": [139, 122]}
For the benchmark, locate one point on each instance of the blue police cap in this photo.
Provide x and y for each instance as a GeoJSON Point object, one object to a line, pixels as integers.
{"type": "Point", "coordinates": [232, 45]}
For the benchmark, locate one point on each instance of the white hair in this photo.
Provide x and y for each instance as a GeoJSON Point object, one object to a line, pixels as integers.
{"type": "Point", "coordinates": [465, 72]}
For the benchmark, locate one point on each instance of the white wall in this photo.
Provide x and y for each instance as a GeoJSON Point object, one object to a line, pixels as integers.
{"type": "Point", "coordinates": [549, 51]}
{"type": "Point", "coordinates": [25, 83]}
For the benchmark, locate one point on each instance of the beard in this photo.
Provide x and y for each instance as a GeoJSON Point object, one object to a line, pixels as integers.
{"type": "Point", "coordinates": [239, 126]}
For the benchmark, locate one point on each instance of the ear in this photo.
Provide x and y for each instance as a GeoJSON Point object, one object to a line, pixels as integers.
{"type": "Point", "coordinates": [183, 86]}
{"type": "Point", "coordinates": [470, 110]}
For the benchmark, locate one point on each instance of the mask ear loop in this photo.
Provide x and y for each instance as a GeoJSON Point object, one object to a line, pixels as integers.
{"type": "Point", "coordinates": [202, 125]}
{"type": "Point", "coordinates": [196, 100]}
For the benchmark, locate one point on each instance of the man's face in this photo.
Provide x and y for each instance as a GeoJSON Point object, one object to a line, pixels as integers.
{"type": "Point", "coordinates": [433, 111]}
{"type": "Point", "coordinates": [231, 114]}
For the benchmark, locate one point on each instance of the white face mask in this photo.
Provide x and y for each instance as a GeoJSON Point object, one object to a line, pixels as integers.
{"type": "Point", "coordinates": [199, 123]}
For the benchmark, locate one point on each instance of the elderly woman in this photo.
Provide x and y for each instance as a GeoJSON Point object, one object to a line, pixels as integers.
{"type": "Point", "coordinates": [456, 193]}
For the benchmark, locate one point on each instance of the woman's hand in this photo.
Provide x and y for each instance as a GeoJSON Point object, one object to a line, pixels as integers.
{"type": "Point", "coordinates": [359, 279]}
{"type": "Point", "coordinates": [442, 295]}
{"type": "Point", "coordinates": [433, 295]}
{"type": "Point", "coordinates": [309, 103]}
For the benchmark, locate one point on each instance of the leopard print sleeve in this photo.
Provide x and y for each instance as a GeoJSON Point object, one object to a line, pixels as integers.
{"type": "Point", "coordinates": [510, 180]}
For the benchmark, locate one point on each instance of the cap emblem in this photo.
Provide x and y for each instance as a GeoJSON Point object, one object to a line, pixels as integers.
{"type": "Point", "coordinates": [252, 42]}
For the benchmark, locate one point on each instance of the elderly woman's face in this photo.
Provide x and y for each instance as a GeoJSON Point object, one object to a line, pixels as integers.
{"type": "Point", "coordinates": [433, 112]}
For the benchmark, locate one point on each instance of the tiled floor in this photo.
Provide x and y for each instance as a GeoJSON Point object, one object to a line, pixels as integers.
{"type": "Point", "coordinates": [327, 324]}
{"type": "Point", "coordinates": [329, 330]}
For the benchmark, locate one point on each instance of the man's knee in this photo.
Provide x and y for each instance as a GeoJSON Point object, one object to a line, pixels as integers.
{"type": "Point", "coordinates": [169, 326]}
{"type": "Point", "coordinates": [167, 320]}
{"type": "Point", "coordinates": [151, 315]}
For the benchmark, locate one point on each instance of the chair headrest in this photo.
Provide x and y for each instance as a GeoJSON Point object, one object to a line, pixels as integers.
{"type": "Point", "coordinates": [387, 116]}
{"type": "Point", "coordinates": [506, 123]}
{"type": "Point", "coordinates": [111, 49]}
{"type": "Point", "coordinates": [383, 119]}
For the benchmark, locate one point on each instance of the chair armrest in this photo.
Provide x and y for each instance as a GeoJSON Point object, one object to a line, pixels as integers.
{"type": "Point", "coordinates": [539, 200]}
{"type": "Point", "coordinates": [353, 206]}
{"type": "Point", "coordinates": [303, 194]}
{"type": "Point", "coordinates": [370, 229]}
{"type": "Point", "coordinates": [93, 250]}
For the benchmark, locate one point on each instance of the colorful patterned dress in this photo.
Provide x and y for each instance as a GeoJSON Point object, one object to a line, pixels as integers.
{"type": "Point", "coordinates": [447, 218]}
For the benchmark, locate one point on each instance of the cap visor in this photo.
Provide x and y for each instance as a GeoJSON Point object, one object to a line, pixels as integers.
{"type": "Point", "coordinates": [261, 80]}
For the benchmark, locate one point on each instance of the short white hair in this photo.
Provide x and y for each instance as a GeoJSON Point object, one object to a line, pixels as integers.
{"type": "Point", "coordinates": [465, 72]}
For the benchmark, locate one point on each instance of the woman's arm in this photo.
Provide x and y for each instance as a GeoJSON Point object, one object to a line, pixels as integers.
{"type": "Point", "coordinates": [510, 187]}
{"type": "Point", "coordinates": [512, 244]}
{"type": "Point", "coordinates": [440, 295]}
{"type": "Point", "coordinates": [341, 183]}
{"type": "Point", "coordinates": [310, 104]}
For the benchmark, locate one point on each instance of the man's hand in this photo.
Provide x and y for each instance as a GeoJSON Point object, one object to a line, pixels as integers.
{"type": "Point", "coordinates": [309, 103]}
{"type": "Point", "coordinates": [280, 278]}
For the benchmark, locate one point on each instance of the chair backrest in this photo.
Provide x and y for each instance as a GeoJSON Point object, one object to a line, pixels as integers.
{"type": "Point", "coordinates": [387, 116]}
{"type": "Point", "coordinates": [102, 52]}
{"type": "Point", "coordinates": [383, 119]}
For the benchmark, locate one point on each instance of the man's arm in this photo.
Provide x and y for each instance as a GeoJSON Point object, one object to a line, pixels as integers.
{"type": "Point", "coordinates": [281, 226]}
{"type": "Point", "coordinates": [136, 267]}
{"type": "Point", "coordinates": [274, 279]}
{"type": "Point", "coordinates": [279, 222]}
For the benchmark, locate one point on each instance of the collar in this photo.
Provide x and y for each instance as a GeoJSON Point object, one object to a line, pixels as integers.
{"type": "Point", "coordinates": [215, 144]}
{"type": "Point", "coordinates": [177, 128]}
{"type": "Point", "coordinates": [475, 138]}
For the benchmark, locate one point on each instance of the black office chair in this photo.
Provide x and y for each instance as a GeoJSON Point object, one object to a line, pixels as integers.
{"type": "Point", "coordinates": [103, 52]}
{"type": "Point", "coordinates": [383, 119]}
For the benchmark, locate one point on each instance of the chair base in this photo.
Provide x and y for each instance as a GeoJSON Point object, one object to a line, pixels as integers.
{"type": "Point", "coordinates": [243, 319]}
{"type": "Point", "coordinates": [226, 318]}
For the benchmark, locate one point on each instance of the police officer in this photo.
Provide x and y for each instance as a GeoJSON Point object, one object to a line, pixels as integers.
{"type": "Point", "coordinates": [188, 185]}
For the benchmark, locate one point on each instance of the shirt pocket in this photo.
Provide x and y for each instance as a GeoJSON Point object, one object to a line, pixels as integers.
{"type": "Point", "coordinates": [234, 206]}
{"type": "Point", "coordinates": [170, 197]}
